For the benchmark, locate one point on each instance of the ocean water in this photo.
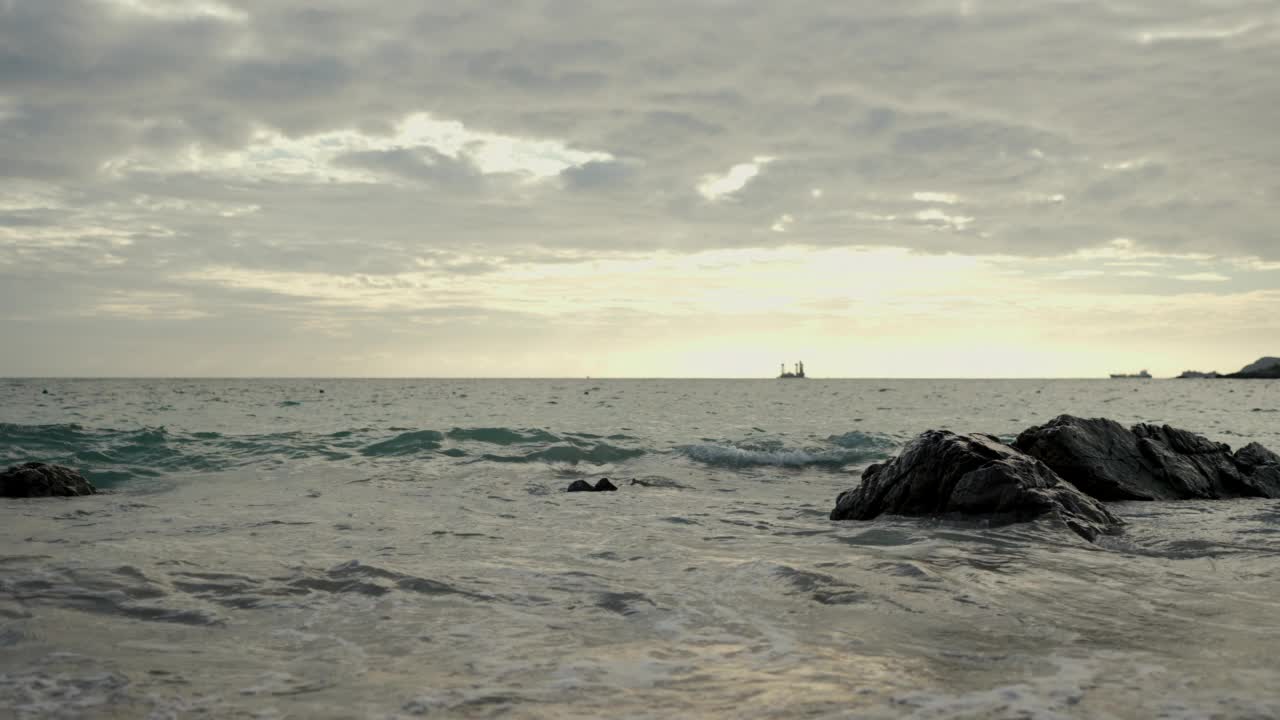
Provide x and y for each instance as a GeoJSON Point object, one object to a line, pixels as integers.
{"type": "Point", "coordinates": [404, 548]}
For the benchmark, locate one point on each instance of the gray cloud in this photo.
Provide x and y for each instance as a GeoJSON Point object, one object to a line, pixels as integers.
{"type": "Point", "coordinates": [1059, 126]}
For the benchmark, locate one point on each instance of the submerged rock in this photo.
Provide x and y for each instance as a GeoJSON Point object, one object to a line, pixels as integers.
{"type": "Point", "coordinates": [654, 481]}
{"type": "Point", "coordinates": [41, 480]}
{"type": "Point", "coordinates": [1107, 461]}
{"type": "Point", "coordinates": [603, 485]}
{"type": "Point", "coordinates": [944, 474]}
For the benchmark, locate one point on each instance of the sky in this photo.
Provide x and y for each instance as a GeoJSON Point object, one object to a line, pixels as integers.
{"type": "Point", "coordinates": [638, 188]}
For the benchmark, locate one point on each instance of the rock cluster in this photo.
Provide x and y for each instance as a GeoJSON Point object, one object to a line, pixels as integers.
{"type": "Point", "coordinates": [944, 474]}
{"type": "Point", "coordinates": [35, 479]}
{"type": "Point", "coordinates": [603, 485]}
{"type": "Point", "coordinates": [1065, 468]}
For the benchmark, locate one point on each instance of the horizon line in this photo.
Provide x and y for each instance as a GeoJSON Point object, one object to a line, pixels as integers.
{"type": "Point", "coordinates": [548, 377]}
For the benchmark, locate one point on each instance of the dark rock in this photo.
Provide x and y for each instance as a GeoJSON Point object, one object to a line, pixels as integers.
{"type": "Point", "coordinates": [40, 480]}
{"type": "Point", "coordinates": [1109, 462]}
{"type": "Point", "coordinates": [944, 474]}
{"type": "Point", "coordinates": [1253, 455]}
{"type": "Point", "coordinates": [1191, 464]}
{"type": "Point", "coordinates": [1260, 469]}
{"type": "Point", "coordinates": [603, 485]}
{"type": "Point", "coordinates": [1098, 456]}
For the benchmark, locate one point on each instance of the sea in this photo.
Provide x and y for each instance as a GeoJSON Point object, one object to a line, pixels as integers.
{"type": "Point", "coordinates": [339, 548]}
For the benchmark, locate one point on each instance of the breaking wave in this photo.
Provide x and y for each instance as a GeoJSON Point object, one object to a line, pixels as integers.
{"type": "Point", "coordinates": [838, 451]}
{"type": "Point", "coordinates": [111, 456]}
{"type": "Point", "coordinates": [599, 453]}
{"type": "Point", "coordinates": [502, 436]}
{"type": "Point", "coordinates": [408, 443]}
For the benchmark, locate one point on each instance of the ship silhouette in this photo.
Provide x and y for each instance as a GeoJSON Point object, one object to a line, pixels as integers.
{"type": "Point", "coordinates": [1143, 375]}
{"type": "Point", "coordinates": [797, 375]}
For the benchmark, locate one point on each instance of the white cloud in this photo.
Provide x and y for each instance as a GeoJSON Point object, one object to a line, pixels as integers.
{"type": "Point", "coordinates": [312, 158]}
{"type": "Point", "coordinates": [1211, 277]}
{"type": "Point", "coordinates": [180, 9]}
{"type": "Point", "coordinates": [716, 187]}
{"type": "Point", "coordinates": [937, 197]}
{"type": "Point", "coordinates": [1124, 165]}
{"type": "Point", "coordinates": [938, 218]}
{"type": "Point", "coordinates": [1149, 37]}
{"type": "Point", "coordinates": [1129, 251]}
{"type": "Point", "coordinates": [1256, 265]}
{"type": "Point", "coordinates": [783, 223]}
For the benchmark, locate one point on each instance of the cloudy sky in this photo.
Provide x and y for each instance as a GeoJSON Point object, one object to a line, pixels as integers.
{"type": "Point", "coordinates": [703, 188]}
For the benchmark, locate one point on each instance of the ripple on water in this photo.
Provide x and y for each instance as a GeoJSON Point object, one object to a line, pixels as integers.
{"type": "Point", "coordinates": [880, 537]}
{"type": "Point", "coordinates": [820, 587]}
{"type": "Point", "coordinates": [123, 592]}
{"type": "Point", "coordinates": [623, 603]}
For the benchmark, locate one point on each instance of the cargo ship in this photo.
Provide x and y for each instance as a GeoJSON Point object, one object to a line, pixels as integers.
{"type": "Point", "coordinates": [1142, 375]}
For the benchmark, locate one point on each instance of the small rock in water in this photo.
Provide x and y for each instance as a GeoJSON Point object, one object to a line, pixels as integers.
{"type": "Point", "coordinates": [36, 479]}
{"type": "Point", "coordinates": [583, 486]}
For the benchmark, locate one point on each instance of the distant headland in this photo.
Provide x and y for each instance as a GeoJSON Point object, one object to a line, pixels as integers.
{"type": "Point", "coordinates": [1267, 368]}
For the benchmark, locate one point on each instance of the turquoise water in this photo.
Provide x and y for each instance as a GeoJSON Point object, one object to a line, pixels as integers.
{"type": "Point", "coordinates": [400, 548]}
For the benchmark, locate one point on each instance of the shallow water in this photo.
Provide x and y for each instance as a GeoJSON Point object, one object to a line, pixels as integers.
{"type": "Point", "coordinates": [404, 548]}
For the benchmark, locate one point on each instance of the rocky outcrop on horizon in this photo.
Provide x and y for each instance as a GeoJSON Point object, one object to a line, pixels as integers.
{"type": "Point", "coordinates": [1261, 364]}
{"type": "Point", "coordinates": [35, 480]}
{"type": "Point", "coordinates": [1267, 368]}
